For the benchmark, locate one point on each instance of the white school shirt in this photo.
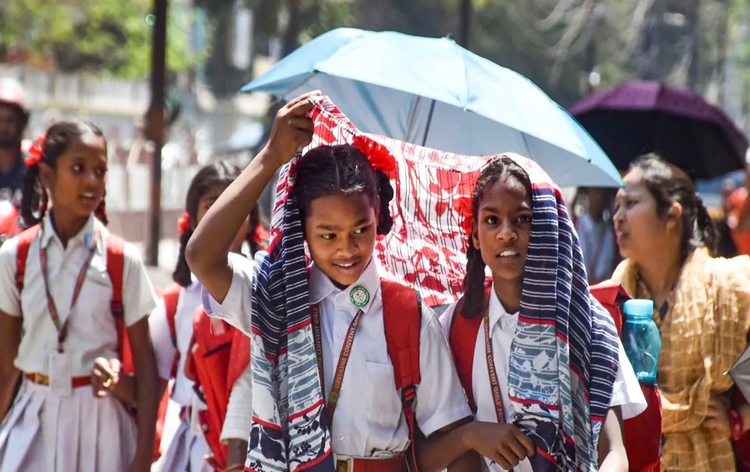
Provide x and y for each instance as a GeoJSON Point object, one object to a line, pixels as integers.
{"type": "Point", "coordinates": [238, 420]}
{"type": "Point", "coordinates": [188, 301]}
{"type": "Point", "coordinates": [368, 420]}
{"type": "Point", "coordinates": [626, 393]}
{"type": "Point", "coordinates": [91, 331]}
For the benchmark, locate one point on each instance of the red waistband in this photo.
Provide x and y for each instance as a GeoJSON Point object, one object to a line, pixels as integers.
{"type": "Point", "coordinates": [41, 379]}
{"type": "Point", "coordinates": [358, 464]}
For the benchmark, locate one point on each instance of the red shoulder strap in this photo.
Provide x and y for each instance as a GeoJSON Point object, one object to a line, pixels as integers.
{"type": "Point", "coordinates": [22, 253]}
{"type": "Point", "coordinates": [402, 316]}
{"type": "Point", "coordinates": [171, 298]}
{"type": "Point", "coordinates": [611, 295]}
{"type": "Point", "coordinates": [115, 268]}
{"type": "Point", "coordinates": [463, 339]}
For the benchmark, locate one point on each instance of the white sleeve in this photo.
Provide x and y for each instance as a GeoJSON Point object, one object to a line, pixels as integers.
{"type": "Point", "coordinates": [138, 295]}
{"type": "Point", "coordinates": [161, 338]}
{"type": "Point", "coordinates": [237, 305]}
{"type": "Point", "coordinates": [10, 299]}
{"type": "Point", "coordinates": [440, 397]}
{"type": "Point", "coordinates": [627, 393]}
{"type": "Point", "coordinates": [239, 417]}
{"type": "Point", "coordinates": [447, 318]}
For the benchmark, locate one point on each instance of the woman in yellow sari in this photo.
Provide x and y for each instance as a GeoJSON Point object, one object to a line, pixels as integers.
{"type": "Point", "coordinates": [702, 308]}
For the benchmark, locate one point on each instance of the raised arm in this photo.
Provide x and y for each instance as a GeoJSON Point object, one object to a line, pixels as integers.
{"type": "Point", "coordinates": [208, 249]}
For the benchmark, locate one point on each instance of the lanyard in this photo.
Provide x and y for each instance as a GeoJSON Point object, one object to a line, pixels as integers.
{"type": "Point", "coordinates": [494, 381]}
{"type": "Point", "coordinates": [346, 350]}
{"type": "Point", "coordinates": [62, 328]}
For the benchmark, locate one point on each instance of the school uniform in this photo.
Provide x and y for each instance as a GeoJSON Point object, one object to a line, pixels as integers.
{"type": "Point", "coordinates": [368, 421]}
{"type": "Point", "coordinates": [47, 429]}
{"type": "Point", "coordinates": [239, 415]}
{"type": "Point", "coordinates": [626, 393]}
{"type": "Point", "coordinates": [188, 446]}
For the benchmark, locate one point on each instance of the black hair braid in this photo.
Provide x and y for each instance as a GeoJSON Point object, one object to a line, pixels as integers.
{"type": "Point", "coordinates": [473, 303]}
{"type": "Point", "coordinates": [705, 226]}
{"type": "Point", "coordinates": [182, 274]}
{"type": "Point", "coordinates": [101, 210]}
{"type": "Point", "coordinates": [385, 192]}
{"type": "Point", "coordinates": [30, 198]}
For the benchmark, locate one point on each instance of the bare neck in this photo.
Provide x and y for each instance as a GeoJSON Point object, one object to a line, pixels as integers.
{"type": "Point", "coordinates": [66, 226]}
{"type": "Point", "coordinates": [660, 273]}
{"type": "Point", "coordinates": [509, 293]}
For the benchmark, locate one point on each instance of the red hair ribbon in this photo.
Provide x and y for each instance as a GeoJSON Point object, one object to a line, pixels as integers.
{"type": "Point", "coordinates": [34, 154]}
{"type": "Point", "coordinates": [183, 224]}
{"type": "Point", "coordinates": [466, 214]}
{"type": "Point", "coordinates": [377, 154]}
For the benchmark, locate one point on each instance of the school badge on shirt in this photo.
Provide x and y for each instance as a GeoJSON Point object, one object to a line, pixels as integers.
{"type": "Point", "coordinates": [89, 239]}
{"type": "Point", "coordinates": [359, 296]}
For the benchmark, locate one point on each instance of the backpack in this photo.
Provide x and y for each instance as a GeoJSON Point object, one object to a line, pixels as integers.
{"type": "Point", "coordinates": [642, 437]}
{"type": "Point", "coordinates": [115, 247]}
{"type": "Point", "coordinates": [220, 356]}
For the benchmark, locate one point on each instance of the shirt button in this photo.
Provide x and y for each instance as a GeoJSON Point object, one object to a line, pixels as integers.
{"type": "Point", "coordinates": [341, 335]}
{"type": "Point", "coordinates": [340, 437]}
{"type": "Point", "coordinates": [343, 386]}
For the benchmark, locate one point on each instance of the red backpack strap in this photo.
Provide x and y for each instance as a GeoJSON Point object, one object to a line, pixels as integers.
{"type": "Point", "coordinates": [171, 298]}
{"type": "Point", "coordinates": [611, 295]}
{"type": "Point", "coordinates": [115, 269]}
{"type": "Point", "coordinates": [463, 339]}
{"type": "Point", "coordinates": [22, 253]}
{"type": "Point", "coordinates": [402, 316]}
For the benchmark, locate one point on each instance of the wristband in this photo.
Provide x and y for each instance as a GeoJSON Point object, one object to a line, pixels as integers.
{"type": "Point", "coordinates": [736, 423]}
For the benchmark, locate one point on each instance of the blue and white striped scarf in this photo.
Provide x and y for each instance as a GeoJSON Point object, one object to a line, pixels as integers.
{"type": "Point", "coordinates": [564, 355]}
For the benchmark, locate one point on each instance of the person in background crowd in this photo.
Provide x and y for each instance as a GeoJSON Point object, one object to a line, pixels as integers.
{"type": "Point", "coordinates": [702, 308]}
{"type": "Point", "coordinates": [13, 120]}
{"type": "Point", "coordinates": [595, 232]}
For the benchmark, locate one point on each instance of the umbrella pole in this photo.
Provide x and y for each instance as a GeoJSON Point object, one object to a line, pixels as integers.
{"type": "Point", "coordinates": [427, 126]}
{"type": "Point", "coordinates": [412, 119]}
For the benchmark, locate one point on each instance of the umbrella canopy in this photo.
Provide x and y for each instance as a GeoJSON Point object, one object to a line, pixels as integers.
{"type": "Point", "coordinates": [639, 117]}
{"type": "Point", "coordinates": [434, 93]}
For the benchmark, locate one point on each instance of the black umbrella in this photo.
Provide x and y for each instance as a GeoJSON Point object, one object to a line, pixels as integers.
{"type": "Point", "coordinates": [638, 117]}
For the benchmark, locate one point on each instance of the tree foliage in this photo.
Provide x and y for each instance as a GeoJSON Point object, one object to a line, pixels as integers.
{"type": "Point", "coordinates": [111, 36]}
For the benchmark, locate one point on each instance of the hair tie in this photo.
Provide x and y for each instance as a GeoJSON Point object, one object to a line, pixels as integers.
{"type": "Point", "coordinates": [466, 214]}
{"type": "Point", "coordinates": [377, 155]}
{"type": "Point", "coordinates": [34, 154]}
{"type": "Point", "coordinates": [183, 224]}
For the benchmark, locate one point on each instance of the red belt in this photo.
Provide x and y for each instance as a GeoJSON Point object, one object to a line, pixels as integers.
{"type": "Point", "coordinates": [42, 379]}
{"type": "Point", "coordinates": [358, 464]}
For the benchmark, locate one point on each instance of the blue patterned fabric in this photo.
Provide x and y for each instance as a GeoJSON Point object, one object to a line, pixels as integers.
{"type": "Point", "coordinates": [564, 356]}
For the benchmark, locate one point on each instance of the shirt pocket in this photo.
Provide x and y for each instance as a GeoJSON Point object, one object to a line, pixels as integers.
{"type": "Point", "coordinates": [383, 403]}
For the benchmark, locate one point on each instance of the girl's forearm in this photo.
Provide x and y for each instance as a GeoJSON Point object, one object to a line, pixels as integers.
{"type": "Point", "coordinates": [448, 447]}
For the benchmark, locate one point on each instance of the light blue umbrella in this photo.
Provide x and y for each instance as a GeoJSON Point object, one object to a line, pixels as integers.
{"type": "Point", "coordinates": [435, 93]}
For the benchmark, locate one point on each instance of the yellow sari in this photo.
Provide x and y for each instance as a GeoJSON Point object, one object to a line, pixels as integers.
{"type": "Point", "coordinates": [703, 333]}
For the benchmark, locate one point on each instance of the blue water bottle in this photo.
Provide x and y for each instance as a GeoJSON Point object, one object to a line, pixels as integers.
{"type": "Point", "coordinates": [641, 339]}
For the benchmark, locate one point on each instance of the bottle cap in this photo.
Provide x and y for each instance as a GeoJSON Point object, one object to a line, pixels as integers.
{"type": "Point", "coordinates": [639, 307]}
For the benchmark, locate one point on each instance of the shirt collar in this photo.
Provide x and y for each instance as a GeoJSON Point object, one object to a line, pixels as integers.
{"type": "Point", "coordinates": [83, 237]}
{"type": "Point", "coordinates": [366, 287]}
{"type": "Point", "coordinates": [498, 314]}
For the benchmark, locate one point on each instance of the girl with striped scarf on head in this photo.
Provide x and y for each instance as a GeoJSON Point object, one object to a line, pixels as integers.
{"type": "Point", "coordinates": [534, 351]}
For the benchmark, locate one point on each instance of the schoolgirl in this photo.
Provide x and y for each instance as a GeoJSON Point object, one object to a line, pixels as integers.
{"type": "Point", "coordinates": [320, 335]}
{"type": "Point", "coordinates": [64, 301]}
{"type": "Point", "coordinates": [171, 325]}
{"type": "Point", "coordinates": [534, 351]}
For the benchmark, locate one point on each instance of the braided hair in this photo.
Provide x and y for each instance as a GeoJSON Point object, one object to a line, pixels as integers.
{"type": "Point", "coordinates": [219, 173]}
{"type": "Point", "coordinates": [474, 282]}
{"type": "Point", "coordinates": [34, 198]}
{"type": "Point", "coordinates": [342, 170]}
